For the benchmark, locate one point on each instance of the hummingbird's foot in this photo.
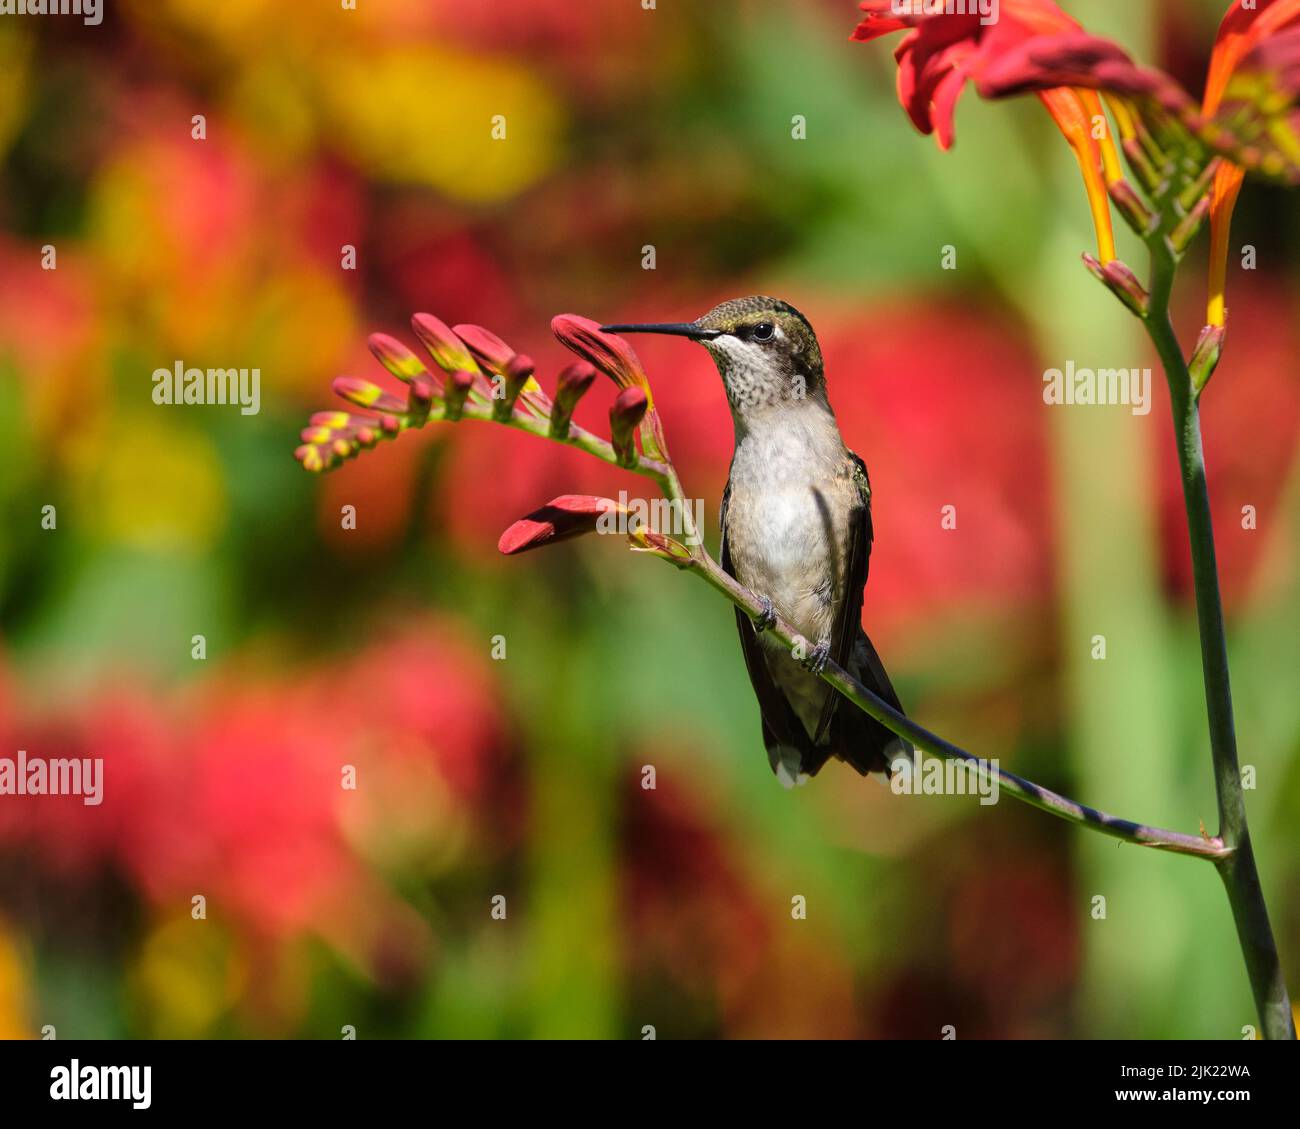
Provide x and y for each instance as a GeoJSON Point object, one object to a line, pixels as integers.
{"type": "Point", "coordinates": [815, 663]}
{"type": "Point", "coordinates": [768, 617]}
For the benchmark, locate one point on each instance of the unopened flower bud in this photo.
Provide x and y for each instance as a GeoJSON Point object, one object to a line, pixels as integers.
{"type": "Point", "coordinates": [571, 515]}
{"type": "Point", "coordinates": [628, 410]}
{"type": "Point", "coordinates": [424, 390]}
{"type": "Point", "coordinates": [367, 395]}
{"type": "Point", "coordinates": [488, 349]}
{"type": "Point", "coordinates": [1121, 282]}
{"type": "Point", "coordinates": [517, 375]}
{"type": "Point", "coordinates": [571, 385]}
{"type": "Point", "coordinates": [395, 357]}
{"type": "Point", "coordinates": [443, 345]}
{"type": "Point", "coordinates": [1205, 357]}
{"type": "Point", "coordinates": [607, 351]}
{"type": "Point", "coordinates": [458, 387]}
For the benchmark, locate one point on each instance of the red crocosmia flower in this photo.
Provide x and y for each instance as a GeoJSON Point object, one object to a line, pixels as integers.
{"type": "Point", "coordinates": [1242, 31]}
{"type": "Point", "coordinates": [941, 51]}
{"type": "Point", "coordinates": [570, 515]}
{"type": "Point", "coordinates": [617, 360]}
{"type": "Point", "coordinates": [1262, 39]}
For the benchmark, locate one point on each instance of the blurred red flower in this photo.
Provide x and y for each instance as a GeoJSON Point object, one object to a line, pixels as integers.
{"type": "Point", "coordinates": [237, 791]}
{"type": "Point", "coordinates": [932, 391]}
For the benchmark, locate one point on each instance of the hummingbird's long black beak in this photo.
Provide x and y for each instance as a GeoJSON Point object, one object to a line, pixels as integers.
{"type": "Point", "coordinates": [674, 328]}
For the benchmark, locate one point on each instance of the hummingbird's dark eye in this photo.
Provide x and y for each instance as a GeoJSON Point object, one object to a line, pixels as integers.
{"type": "Point", "coordinates": [763, 331]}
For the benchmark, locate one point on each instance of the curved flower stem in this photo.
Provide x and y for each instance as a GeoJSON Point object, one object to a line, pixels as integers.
{"type": "Point", "coordinates": [578, 437]}
{"type": "Point", "coordinates": [701, 564]}
{"type": "Point", "coordinates": [1237, 866]}
{"type": "Point", "coordinates": [1060, 806]}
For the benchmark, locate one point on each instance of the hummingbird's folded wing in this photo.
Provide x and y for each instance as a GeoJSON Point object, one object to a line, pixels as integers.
{"type": "Point", "coordinates": [852, 735]}
{"type": "Point", "coordinates": [848, 621]}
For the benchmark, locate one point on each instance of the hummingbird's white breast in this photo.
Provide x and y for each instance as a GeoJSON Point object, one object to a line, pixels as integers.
{"type": "Point", "coordinates": [788, 533]}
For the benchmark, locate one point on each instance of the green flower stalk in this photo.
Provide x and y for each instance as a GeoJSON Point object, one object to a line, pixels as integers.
{"type": "Point", "coordinates": [1190, 160]}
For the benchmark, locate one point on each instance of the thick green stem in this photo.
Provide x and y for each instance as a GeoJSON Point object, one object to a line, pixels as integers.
{"type": "Point", "coordinates": [1237, 868]}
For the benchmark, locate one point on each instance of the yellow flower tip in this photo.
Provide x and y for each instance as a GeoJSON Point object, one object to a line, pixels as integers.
{"type": "Point", "coordinates": [443, 345]}
{"type": "Point", "coordinates": [395, 357]}
{"type": "Point", "coordinates": [1223, 201]}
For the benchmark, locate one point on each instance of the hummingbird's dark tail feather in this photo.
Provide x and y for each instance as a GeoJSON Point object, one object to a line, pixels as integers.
{"type": "Point", "coordinates": [856, 737]}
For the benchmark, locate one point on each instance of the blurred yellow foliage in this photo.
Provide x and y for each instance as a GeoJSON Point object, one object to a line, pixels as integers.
{"type": "Point", "coordinates": [301, 325]}
{"type": "Point", "coordinates": [15, 50]}
{"type": "Point", "coordinates": [152, 483]}
{"type": "Point", "coordinates": [383, 84]}
{"type": "Point", "coordinates": [185, 977]}
{"type": "Point", "coordinates": [13, 988]}
{"type": "Point", "coordinates": [426, 115]}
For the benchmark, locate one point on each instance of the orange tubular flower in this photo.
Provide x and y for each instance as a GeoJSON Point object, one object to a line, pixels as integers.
{"type": "Point", "coordinates": [1069, 109]}
{"type": "Point", "coordinates": [941, 52]}
{"type": "Point", "coordinates": [1241, 31]}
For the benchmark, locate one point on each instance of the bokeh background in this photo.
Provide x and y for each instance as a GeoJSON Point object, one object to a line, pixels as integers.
{"type": "Point", "coordinates": [521, 776]}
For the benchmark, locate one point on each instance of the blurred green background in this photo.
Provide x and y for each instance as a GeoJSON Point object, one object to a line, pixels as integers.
{"type": "Point", "coordinates": [522, 776]}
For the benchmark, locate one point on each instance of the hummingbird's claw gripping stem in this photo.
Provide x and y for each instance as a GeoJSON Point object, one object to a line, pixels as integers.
{"type": "Point", "coordinates": [816, 661]}
{"type": "Point", "coordinates": [768, 617]}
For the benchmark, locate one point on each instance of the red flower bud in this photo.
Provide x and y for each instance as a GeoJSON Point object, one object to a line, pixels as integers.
{"type": "Point", "coordinates": [311, 458]}
{"type": "Point", "coordinates": [443, 345]}
{"type": "Point", "coordinates": [458, 387]}
{"type": "Point", "coordinates": [424, 390]}
{"type": "Point", "coordinates": [570, 387]}
{"type": "Point", "coordinates": [518, 372]}
{"type": "Point", "coordinates": [568, 516]}
{"type": "Point", "coordinates": [628, 409]}
{"type": "Point", "coordinates": [607, 351]}
{"type": "Point", "coordinates": [395, 357]}
{"type": "Point", "coordinates": [367, 395]}
{"type": "Point", "coordinates": [489, 350]}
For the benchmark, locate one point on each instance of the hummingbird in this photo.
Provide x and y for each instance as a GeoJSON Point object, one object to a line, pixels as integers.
{"type": "Point", "coordinates": [796, 531]}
